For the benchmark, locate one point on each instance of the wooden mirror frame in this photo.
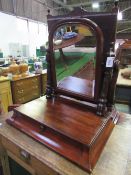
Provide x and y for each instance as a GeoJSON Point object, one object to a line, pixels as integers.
{"type": "Point", "coordinates": [52, 82]}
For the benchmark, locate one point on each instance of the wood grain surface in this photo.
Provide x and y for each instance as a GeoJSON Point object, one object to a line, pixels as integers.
{"type": "Point", "coordinates": [66, 127]}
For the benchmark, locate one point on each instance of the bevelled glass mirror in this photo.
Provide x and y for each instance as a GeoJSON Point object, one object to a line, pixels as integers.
{"type": "Point", "coordinates": [76, 51]}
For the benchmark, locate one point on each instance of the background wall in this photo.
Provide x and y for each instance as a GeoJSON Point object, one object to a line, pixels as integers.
{"type": "Point", "coordinates": [21, 32]}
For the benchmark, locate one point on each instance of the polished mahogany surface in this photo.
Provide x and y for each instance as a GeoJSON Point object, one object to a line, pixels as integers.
{"type": "Point", "coordinates": [77, 85]}
{"type": "Point", "coordinates": [64, 117]}
{"type": "Point", "coordinates": [73, 129]}
{"type": "Point", "coordinates": [66, 127]}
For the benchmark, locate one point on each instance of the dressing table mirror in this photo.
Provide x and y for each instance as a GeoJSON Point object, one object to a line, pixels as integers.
{"type": "Point", "coordinates": [80, 48]}
{"type": "Point", "coordinates": [75, 65]}
{"type": "Point", "coordinates": [77, 116]}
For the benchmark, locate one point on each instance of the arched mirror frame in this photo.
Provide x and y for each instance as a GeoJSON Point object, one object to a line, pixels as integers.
{"type": "Point", "coordinates": [52, 82]}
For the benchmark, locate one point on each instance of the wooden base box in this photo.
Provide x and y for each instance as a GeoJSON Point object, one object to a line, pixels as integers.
{"type": "Point", "coordinates": [66, 127]}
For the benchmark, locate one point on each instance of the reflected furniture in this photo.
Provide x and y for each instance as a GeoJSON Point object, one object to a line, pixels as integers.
{"type": "Point", "coordinates": [70, 120]}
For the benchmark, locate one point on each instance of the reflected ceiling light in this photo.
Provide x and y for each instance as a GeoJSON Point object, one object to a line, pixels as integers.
{"type": "Point", "coordinates": [119, 16]}
{"type": "Point", "coordinates": [95, 5]}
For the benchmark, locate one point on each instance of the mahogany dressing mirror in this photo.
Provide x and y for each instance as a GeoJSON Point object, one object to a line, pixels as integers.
{"type": "Point", "coordinates": [76, 47]}
{"type": "Point", "coordinates": [80, 67]}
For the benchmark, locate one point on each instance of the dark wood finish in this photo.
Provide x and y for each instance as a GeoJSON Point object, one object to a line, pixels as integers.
{"type": "Point", "coordinates": [26, 89]}
{"type": "Point", "coordinates": [112, 85]}
{"type": "Point", "coordinates": [103, 26]}
{"type": "Point", "coordinates": [99, 53]}
{"type": "Point", "coordinates": [105, 20]}
{"type": "Point", "coordinates": [66, 127]}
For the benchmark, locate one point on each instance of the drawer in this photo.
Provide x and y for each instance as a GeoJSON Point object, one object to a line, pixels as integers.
{"type": "Point", "coordinates": [26, 91]}
{"type": "Point", "coordinates": [25, 157]}
{"type": "Point", "coordinates": [27, 97]}
{"type": "Point", "coordinates": [9, 146]}
{"type": "Point", "coordinates": [18, 84]}
{"type": "Point", "coordinates": [19, 100]}
{"type": "Point", "coordinates": [34, 80]}
{"type": "Point", "coordinates": [35, 87]}
{"type": "Point", "coordinates": [26, 83]}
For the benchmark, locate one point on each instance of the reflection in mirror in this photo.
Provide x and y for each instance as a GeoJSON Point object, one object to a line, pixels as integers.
{"type": "Point", "coordinates": [75, 59]}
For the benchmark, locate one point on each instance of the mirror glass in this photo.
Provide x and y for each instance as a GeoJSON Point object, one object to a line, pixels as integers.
{"type": "Point", "coordinates": [75, 59]}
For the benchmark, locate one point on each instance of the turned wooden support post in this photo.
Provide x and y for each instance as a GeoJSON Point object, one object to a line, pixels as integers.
{"type": "Point", "coordinates": [102, 103]}
{"type": "Point", "coordinates": [49, 89]}
{"type": "Point", "coordinates": [108, 85]}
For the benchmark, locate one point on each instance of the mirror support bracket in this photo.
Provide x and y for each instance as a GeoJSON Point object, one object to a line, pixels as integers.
{"type": "Point", "coordinates": [102, 102]}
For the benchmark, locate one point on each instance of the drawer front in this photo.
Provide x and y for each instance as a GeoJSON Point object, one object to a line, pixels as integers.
{"type": "Point", "coordinates": [39, 167]}
{"type": "Point", "coordinates": [9, 146]}
{"type": "Point", "coordinates": [26, 90]}
{"type": "Point", "coordinates": [28, 97]}
{"type": "Point", "coordinates": [26, 83]}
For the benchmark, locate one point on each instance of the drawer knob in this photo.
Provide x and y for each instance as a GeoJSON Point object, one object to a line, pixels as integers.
{"type": "Point", "coordinates": [25, 155]}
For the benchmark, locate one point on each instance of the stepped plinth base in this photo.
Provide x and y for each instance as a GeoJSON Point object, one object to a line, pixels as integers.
{"type": "Point", "coordinates": [69, 129]}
